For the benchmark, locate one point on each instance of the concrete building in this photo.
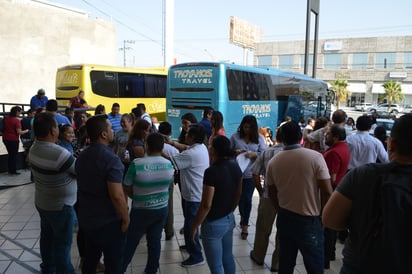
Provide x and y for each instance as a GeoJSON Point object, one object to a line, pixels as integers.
{"type": "Point", "coordinates": [366, 63]}
{"type": "Point", "coordinates": [37, 37]}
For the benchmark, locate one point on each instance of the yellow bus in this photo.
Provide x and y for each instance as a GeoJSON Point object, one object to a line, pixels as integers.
{"type": "Point", "coordinates": [107, 85]}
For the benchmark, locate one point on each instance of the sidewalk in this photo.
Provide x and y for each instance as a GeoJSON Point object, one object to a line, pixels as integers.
{"type": "Point", "coordinates": [20, 231]}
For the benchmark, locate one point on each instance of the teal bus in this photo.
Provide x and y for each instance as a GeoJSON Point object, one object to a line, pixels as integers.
{"type": "Point", "coordinates": [268, 94]}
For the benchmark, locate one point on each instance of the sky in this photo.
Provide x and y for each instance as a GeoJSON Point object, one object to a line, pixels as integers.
{"type": "Point", "coordinates": [201, 28]}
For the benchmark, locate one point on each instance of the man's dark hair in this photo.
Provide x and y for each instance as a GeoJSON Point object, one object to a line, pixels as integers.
{"type": "Point", "coordinates": [290, 133]}
{"type": "Point", "coordinates": [141, 106]}
{"type": "Point", "coordinates": [139, 110]}
{"type": "Point", "coordinates": [43, 123]}
{"type": "Point", "coordinates": [337, 131]}
{"type": "Point", "coordinates": [338, 116]}
{"type": "Point", "coordinates": [51, 105]}
{"type": "Point", "coordinates": [68, 111]}
{"type": "Point", "coordinates": [380, 132]}
{"type": "Point", "coordinates": [222, 147]}
{"type": "Point", "coordinates": [197, 132]}
{"type": "Point", "coordinates": [95, 125]}
{"type": "Point", "coordinates": [363, 123]}
{"type": "Point", "coordinates": [165, 128]}
{"type": "Point", "coordinates": [401, 133]}
{"type": "Point", "coordinates": [207, 111]}
{"type": "Point", "coordinates": [115, 105]}
{"type": "Point", "coordinates": [155, 142]}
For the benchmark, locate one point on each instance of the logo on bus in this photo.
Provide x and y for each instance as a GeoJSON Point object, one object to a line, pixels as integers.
{"type": "Point", "coordinates": [259, 111]}
{"type": "Point", "coordinates": [194, 76]}
{"type": "Point", "coordinates": [156, 107]}
{"type": "Point", "coordinates": [68, 78]}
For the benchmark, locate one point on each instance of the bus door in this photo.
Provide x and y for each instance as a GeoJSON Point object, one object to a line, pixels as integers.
{"type": "Point", "coordinates": [292, 106]}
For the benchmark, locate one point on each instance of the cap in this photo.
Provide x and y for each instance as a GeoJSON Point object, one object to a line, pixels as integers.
{"type": "Point", "coordinates": [41, 92]}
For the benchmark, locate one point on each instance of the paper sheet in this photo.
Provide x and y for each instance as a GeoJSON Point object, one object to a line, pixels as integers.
{"type": "Point", "coordinates": [243, 161]}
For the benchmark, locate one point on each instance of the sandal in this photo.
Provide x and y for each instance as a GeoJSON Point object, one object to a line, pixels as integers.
{"type": "Point", "coordinates": [244, 235]}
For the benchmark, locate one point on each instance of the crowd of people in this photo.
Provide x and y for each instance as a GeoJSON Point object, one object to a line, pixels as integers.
{"type": "Point", "coordinates": [85, 169]}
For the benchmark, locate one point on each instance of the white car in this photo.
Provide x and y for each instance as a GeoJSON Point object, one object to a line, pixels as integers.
{"type": "Point", "coordinates": [363, 107]}
{"type": "Point", "coordinates": [386, 123]}
{"type": "Point", "coordinates": [394, 109]}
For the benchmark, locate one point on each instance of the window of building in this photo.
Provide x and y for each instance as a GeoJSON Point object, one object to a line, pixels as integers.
{"type": "Point", "coordinates": [359, 60]}
{"type": "Point", "coordinates": [264, 61]}
{"type": "Point", "coordinates": [286, 61]}
{"type": "Point", "coordinates": [385, 60]}
{"type": "Point", "coordinates": [310, 61]}
{"type": "Point", "coordinates": [332, 61]}
{"type": "Point", "coordinates": [407, 60]}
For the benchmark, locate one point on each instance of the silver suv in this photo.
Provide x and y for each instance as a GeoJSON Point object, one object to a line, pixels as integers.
{"type": "Point", "coordinates": [394, 109]}
{"type": "Point", "coordinates": [363, 107]}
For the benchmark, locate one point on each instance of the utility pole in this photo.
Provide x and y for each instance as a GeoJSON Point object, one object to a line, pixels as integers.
{"type": "Point", "coordinates": [312, 7]}
{"type": "Point", "coordinates": [124, 48]}
{"type": "Point", "coordinates": [168, 32]}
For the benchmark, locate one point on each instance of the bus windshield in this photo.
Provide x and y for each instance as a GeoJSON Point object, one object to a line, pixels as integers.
{"type": "Point", "coordinates": [268, 94]}
{"type": "Point", "coordinates": [107, 85]}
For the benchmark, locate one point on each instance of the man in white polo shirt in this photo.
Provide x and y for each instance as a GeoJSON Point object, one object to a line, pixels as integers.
{"type": "Point", "coordinates": [192, 164]}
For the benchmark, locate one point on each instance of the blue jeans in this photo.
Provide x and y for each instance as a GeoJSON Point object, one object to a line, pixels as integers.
{"type": "Point", "coordinates": [193, 248]}
{"type": "Point", "coordinates": [245, 202]}
{"type": "Point", "coordinates": [151, 223]}
{"type": "Point", "coordinates": [108, 239]}
{"type": "Point", "coordinates": [303, 233]}
{"type": "Point", "coordinates": [56, 240]}
{"type": "Point", "coordinates": [217, 239]}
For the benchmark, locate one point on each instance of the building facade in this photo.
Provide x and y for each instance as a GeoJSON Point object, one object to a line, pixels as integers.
{"type": "Point", "coordinates": [366, 63]}
{"type": "Point", "coordinates": [37, 37]}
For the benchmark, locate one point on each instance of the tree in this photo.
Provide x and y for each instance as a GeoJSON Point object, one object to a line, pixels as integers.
{"type": "Point", "coordinates": [340, 88]}
{"type": "Point", "coordinates": [393, 92]}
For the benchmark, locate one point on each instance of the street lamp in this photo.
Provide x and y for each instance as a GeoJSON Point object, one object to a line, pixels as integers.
{"type": "Point", "coordinates": [124, 48]}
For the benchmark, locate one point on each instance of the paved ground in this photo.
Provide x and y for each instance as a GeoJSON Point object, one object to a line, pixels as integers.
{"type": "Point", "coordinates": [20, 230]}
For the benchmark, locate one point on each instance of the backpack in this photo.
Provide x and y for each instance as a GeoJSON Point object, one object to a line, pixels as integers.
{"type": "Point", "coordinates": [386, 248]}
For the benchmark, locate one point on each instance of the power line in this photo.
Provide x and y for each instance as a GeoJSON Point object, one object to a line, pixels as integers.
{"type": "Point", "coordinates": [121, 23]}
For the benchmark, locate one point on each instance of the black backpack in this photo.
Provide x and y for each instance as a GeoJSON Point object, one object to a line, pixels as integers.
{"type": "Point", "coordinates": [386, 249]}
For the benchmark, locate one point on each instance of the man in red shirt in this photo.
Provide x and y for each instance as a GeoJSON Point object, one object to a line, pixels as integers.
{"type": "Point", "coordinates": [337, 159]}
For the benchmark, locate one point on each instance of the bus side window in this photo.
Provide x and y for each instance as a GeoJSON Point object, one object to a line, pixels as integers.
{"type": "Point", "coordinates": [104, 84]}
{"type": "Point", "coordinates": [155, 86]}
{"type": "Point", "coordinates": [250, 88]}
{"type": "Point", "coordinates": [234, 85]}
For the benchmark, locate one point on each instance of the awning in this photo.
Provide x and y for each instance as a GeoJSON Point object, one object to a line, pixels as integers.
{"type": "Point", "coordinates": [356, 87]}
{"type": "Point", "coordinates": [407, 89]}
{"type": "Point", "coordinates": [378, 88]}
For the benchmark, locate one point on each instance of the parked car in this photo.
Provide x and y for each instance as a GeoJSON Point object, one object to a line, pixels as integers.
{"type": "Point", "coordinates": [363, 107]}
{"type": "Point", "coordinates": [394, 109]}
{"type": "Point", "coordinates": [386, 123]}
{"type": "Point", "coordinates": [385, 115]}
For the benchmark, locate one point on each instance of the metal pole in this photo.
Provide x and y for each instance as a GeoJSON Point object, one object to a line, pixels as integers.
{"type": "Point", "coordinates": [245, 56]}
{"type": "Point", "coordinates": [315, 42]}
{"type": "Point", "coordinates": [124, 53]}
{"type": "Point", "coordinates": [307, 39]}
